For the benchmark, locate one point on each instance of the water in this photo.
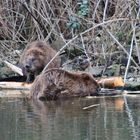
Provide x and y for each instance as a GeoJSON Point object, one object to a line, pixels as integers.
{"type": "Point", "coordinates": [112, 118]}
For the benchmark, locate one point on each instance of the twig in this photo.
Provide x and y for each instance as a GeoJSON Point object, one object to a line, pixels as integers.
{"type": "Point", "coordinates": [105, 9]}
{"type": "Point", "coordinates": [27, 9]}
{"type": "Point", "coordinates": [130, 53]}
{"type": "Point", "coordinates": [122, 48]}
{"type": "Point", "coordinates": [95, 26]}
{"type": "Point", "coordinates": [105, 22]}
{"type": "Point", "coordinates": [130, 118]}
{"type": "Point", "coordinates": [85, 51]}
{"type": "Point", "coordinates": [90, 106]}
{"type": "Point", "coordinates": [59, 52]}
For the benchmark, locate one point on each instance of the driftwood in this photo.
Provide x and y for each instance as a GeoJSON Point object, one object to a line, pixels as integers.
{"type": "Point", "coordinates": [14, 93]}
{"type": "Point", "coordinates": [15, 85]}
{"type": "Point", "coordinates": [91, 106]}
{"type": "Point", "coordinates": [14, 68]}
{"type": "Point", "coordinates": [111, 82]}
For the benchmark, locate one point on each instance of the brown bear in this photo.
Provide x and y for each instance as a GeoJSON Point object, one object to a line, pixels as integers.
{"type": "Point", "coordinates": [56, 83]}
{"type": "Point", "coordinates": [34, 58]}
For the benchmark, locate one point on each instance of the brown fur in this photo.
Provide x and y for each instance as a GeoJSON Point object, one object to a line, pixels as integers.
{"type": "Point", "coordinates": [56, 83]}
{"type": "Point", "coordinates": [34, 58]}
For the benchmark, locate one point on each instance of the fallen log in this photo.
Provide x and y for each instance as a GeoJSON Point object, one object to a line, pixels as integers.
{"type": "Point", "coordinates": [111, 82]}
{"type": "Point", "coordinates": [21, 89]}
{"type": "Point", "coordinates": [14, 93]}
{"type": "Point", "coordinates": [14, 68]}
{"type": "Point", "coordinates": [16, 89]}
{"type": "Point", "coordinates": [15, 85]}
{"type": "Point", "coordinates": [108, 82]}
{"type": "Point", "coordinates": [11, 88]}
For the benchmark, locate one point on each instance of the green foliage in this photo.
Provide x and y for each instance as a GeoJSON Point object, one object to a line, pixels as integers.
{"type": "Point", "coordinates": [73, 23]}
{"type": "Point", "coordinates": [83, 8]}
{"type": "Point", "coordinates": [82, 11]}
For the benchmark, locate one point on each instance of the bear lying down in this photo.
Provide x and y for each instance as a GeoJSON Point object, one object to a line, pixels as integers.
{"type": "Point", "coordinates": [57, 83]}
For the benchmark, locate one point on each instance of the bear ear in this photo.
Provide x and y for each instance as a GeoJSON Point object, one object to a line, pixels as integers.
{"type": "Point", "coordinates": [85, 76]}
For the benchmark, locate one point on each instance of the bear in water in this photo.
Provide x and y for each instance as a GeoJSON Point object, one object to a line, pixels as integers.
{"type": "Point", "coordinates": [35, 57]}
{"type": "Point", "coordinates": [57, 83]}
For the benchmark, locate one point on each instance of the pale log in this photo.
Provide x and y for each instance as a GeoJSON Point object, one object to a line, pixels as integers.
{"type": "Point", "coordinates": [14, 93]}
{"type": "Point", "coordinates": [15, 85]}
{"type": "Point", "coordinates": [111, 82]}
{"type": "Point", "coordinates": [14, 68]}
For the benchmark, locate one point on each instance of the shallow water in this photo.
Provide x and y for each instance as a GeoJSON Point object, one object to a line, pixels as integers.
{"type": "Point", "coordinates": [111, 118]}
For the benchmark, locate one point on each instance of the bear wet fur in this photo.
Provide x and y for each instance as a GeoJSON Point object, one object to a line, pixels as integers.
{"type": "Point", "coordinates": [35, 57]}
{"type": "Point", "coordinates": [57, 83]}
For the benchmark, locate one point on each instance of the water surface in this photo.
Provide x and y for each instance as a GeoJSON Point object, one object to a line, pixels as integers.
{"type": "Point", "coordinates": [112, 118]}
